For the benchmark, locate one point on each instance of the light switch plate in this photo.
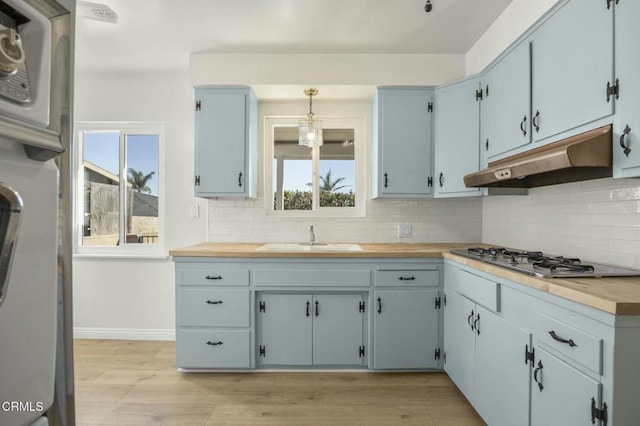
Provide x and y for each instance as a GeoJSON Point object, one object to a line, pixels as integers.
{"type": "Point", "coordinates": [404, 230]}
{"type": "Point", "coordinates": [195, 211]}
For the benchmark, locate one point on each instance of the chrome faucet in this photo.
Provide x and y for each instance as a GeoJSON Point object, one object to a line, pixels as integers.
{"type": "Point", "coordinates": [312, 236]}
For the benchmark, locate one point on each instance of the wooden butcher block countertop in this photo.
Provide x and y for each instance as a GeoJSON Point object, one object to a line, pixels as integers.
{"type": "Point", "coordinates": [616, 295]}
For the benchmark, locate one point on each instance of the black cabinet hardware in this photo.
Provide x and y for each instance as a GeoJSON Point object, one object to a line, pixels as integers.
{"type": "Point", "coordinates": [623, 136]}
{"type": "Point", "coordinates": [535, 121]}
{"type": "Point", "coordinates": [198, 105]}
{"type": "Point", "coordinates": [197, 180]}
{"type": "Point", "coordinates": [557, 338]}
{"type": "Point", "coordinates": [429, 181]}
{"type": "Point", "coordinates": [361, 307]}
{"type": "Point", "coordinates": [386, 180]}
{"type": "Point", "coordinates": [479, 95]}
{"type": "Point", "coordinates": [535, 375]}
{"type": "Point", "coordinates": [486, 145]}
{"type": "Point", "coordinates": [469, 319]}
{"type": "Point", "coordinates": [441, 179]}
{"type": "Point", "coordinates": [529, 356]}
{"type": "Point", "coordinates": [263, 306]}
{"type": "Point", "coordinates": [438, 303]}
{"type": "Point", "coordinates": [522, 124]}
{"type": "Point", "coordinates": [407, 278]}
{"type": "Point", "coordinates": [213, 277]}
{"type": "Point", "coordinates": [214, 302]}
{"type": "Point", "coordinates": [437, 354]}
{"type": "Point", "coordinates": [218, 343]}
{"type": "Point", "coordinates": [379, 305]}
{"type": "Point", "coordinates": [361, 351]}
{"type": "Point", "coordinates": [308, 303]}
{"type": "Point", "coordinates": [598, 414]}
{"type": "Point", "coordinates": [317, 309]}
{"type": "Point", "coordinates": [262, 351]}
{"type": "Point", "coordinates": [430, 107]}
{"type": "Point", "coordinates": [486, 91]}
{"type": "Point", "coordinates": [613, 90]}
{"type": "Point", "coordinates": [476, 324]}
{"type": "Point", "coordinates": [240, 179]}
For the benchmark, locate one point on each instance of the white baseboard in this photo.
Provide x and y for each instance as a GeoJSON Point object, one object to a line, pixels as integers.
{"type": "Point", "coordinates": [123, 334]}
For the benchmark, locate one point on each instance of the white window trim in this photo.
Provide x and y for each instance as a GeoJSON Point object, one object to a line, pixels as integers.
{"type": "Point", "coordinates": [125, 250]}
{"type": "Point", "coordinates": [342, 122]}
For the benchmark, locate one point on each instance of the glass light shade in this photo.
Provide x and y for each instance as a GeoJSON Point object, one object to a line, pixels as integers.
{"type": "Point", "coordinates": [310, 132]}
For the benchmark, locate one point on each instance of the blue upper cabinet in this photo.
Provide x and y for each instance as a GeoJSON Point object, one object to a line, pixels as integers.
{"type": "Point", "coordinates": [572, 63]}
{"type": "Point", "coordinates": [626, 122]}
{"type": "Point", "coordinates": [457, 130]}
{"type": "Point", "coordinates": [402, 142]}
{"type": "Point", "coordinates": [506, 104]}
{"type": "Point", "coordinates": [226, 142]}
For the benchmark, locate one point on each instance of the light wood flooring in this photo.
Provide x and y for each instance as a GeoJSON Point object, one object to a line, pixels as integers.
{"type": "Point", "coordinates": [136, 383]}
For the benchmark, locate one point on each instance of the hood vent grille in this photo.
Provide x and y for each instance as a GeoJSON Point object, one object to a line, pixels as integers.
{"type": "Point", "coordinates": [582, 157]}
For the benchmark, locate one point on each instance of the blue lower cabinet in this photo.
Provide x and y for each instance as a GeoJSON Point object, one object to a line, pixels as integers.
{"type": "Point", "coordinates": [405, 325]}
{"type": "Point", "coordinates": [301, 330]}
{"type": "Point", "coordinates": [213, 349]}
{"type": "Point", "coordinates": [561, 395]}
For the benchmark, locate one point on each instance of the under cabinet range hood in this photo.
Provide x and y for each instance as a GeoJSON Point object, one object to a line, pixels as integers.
{"type": "Point", "coordinates": [582, 157]}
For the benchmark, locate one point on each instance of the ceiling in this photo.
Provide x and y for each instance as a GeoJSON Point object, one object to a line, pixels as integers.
{"type": "Point", "coordinates": [160, 34]}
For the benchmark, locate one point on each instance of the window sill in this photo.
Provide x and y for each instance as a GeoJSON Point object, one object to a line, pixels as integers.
{"type": "Point", "coordinates": [122, 256]}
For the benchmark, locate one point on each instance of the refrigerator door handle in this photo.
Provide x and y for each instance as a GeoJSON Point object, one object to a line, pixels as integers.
{"type": "Point", "coordinates": [11, 206]}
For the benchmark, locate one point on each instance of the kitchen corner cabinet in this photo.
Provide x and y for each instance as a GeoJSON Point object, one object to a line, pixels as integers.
{"type": "Point", "coordinates": [457, 131]}
{"type": "Point", "coordinates": [226, 143]}
{"type": "Point", "coordinates": [484, 352]}
{"type": "Point", "coordinates": [506, 104]}
{"type": "Point", "coordinates": [572, 63]}
{"type": "Point", "coordinates": [311, 329]}
{"type": "Point", "coordinates": [626, 121]}
{"type": "Point", "coordinates": [402, 142]}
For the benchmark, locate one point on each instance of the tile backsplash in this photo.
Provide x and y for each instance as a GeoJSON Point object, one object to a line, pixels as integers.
{"type": "Point", "coordinates": [451, 220]}
{"type": "Point", "coordinates": [595, 220]}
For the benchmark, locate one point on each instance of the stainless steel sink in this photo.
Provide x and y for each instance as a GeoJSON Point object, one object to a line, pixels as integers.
{"type": "Point", "coordinates": [297, 247]}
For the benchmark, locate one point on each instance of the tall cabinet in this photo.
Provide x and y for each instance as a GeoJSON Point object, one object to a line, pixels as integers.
{"type": "Point", "coordinates": [226, 143]}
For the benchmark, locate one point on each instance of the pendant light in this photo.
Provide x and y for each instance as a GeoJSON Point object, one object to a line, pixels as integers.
{"type": "Point", "coordinates": [310, 129]}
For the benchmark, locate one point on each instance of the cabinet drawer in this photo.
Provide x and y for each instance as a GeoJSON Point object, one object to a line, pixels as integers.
{"type": "Point", "coordinates": [214, 307]}
{"type": "Point", "coordinates": [211, 275]}
{"type": "Point", "coordinates": [575, 344]}
{"type": "Point", "coordinates": [313, 277]}
{"type": "Point", "coordinates": [481, 290]}
{"type": "Point", "coordinates": [213, 349]}
{"type": "Point", "coordinates": [408, 277]}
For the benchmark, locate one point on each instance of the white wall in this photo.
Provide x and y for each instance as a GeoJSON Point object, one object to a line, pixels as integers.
{"type": "Point", "coordinates": [128, 297]}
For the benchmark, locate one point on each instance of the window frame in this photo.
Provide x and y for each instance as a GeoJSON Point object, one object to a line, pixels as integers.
{"type": "Point", "coordinates": [156, 250]}
{"type": "Point", "coordinates": [358, 124]}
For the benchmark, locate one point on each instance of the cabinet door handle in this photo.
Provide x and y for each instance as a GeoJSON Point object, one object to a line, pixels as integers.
{"type": "Point", "coordinates": [476, 324]}
{"type": "Point", "coordinates": [535, 375]}
{"type": "Point", "coordinates": [218, 343]}
{"type": "Point", "coordinates": [240, 179]}
{"type": "Point", "coordinates": [535, 121]}
{"type": "Point", "coordinates": [308, 308]}
{"type": "Point", "coordinates": [441, 180]}
{"type": "Point", "coordinates": [623, 136]}
{"type": "Point", "coordinates": [214, 302]}
{"type": "Point", "coordinates": [557, 338]}
{"type": "Point", "coordinates": [213, 277]}
{"type": "Point", "coordinates": [407, 278]}
{"type": "Point", "coordinates": [522, 124]}
{"type": "Point", "coordinates": [379, 305]}
{"type": "Point", "coordinates": [317, 310]}
{"type": "Point", "coordinates": [386, 180]}
{"type": "Point", "coordinates": [470, 319]}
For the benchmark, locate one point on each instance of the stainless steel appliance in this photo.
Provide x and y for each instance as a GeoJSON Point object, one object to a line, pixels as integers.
{"type": "Point", "coordinates": [36, 376]}
{"type": "Point", "coordinates": [543, 265]}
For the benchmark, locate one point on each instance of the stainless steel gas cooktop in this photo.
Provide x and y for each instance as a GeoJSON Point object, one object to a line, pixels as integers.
{"type": "Point", "coordinates": [543, 265]}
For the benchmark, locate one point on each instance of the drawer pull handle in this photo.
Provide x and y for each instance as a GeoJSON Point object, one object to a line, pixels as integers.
{"type": "Point", "coordinates": [469, 319]}
{"type": "Point", "coordinates": [535, 375]}
{"type": "Point", "coordinates": [308, 308]}
{"type": "Point", "coordinates": [407, 278]}
{"type": "Point", "coordinates": [476, 324]}
{"type": "Point", "coordinates": [317, 309]}
{"type": "Point", "coordinates": [217, 277]}
{"type": "Point", "coordinates": [522, 124]}
{"type": "Point", "coordinates": [379, 305]}
{"type": "Point", "coordinates": [214, 302]}
{"type": "Point", "coordinates": [218, 343]}
{"type": "Point", "coordinates": [623, 145]}
{"type": "Point", "coordinates": [557, 338]}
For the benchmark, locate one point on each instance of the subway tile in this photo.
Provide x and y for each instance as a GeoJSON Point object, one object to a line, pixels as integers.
{"type": "Point", "coordinates": [632, 193]}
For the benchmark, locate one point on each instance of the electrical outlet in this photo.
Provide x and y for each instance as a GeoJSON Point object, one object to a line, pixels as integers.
{"type": "Point", "coordinates": [404, 230]}
{"type": "Point", "coordinates": [195, 211]}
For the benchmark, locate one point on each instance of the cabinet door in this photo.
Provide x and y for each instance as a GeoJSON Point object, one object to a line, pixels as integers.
{"type": "Point", "coordinates": [221, 137]}
{"type": "Point", "coordinates": [405, 132]}
{"type": "Point", "coordinates": [572, 62]}
{"type": "Point", "coordinates": [505, 107]}
{"type": "Point", "coordinates": [405, 329]}
{"type": "Point", "coordinates": [628, 105]}
{"type": "Point", "coordinates": [459, 342]}
{"type": "Point", "coordinates": [457, 132]}
{"type": "Point", "coordinates": [566, 395]}
{"type": "Point", "coordinates": [284, 329]}
{"type": "Point", "coordinates": [337, 329]}
{"type": "Point", "coordinates": [501, 376]}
